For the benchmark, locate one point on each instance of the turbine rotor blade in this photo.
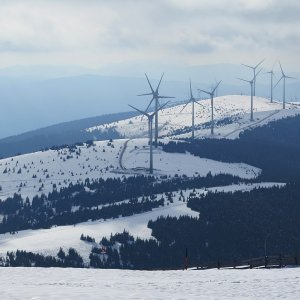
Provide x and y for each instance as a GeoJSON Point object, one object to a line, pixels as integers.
{"type": "Point", "coordinates": [290, 77]}
{"type": "Point", "coordinates": [184, 107]}
{"type": "Point", "coordinates": [256, 74]}
{"type": "Point", "coordinates": [165, 97]}
{"type": "Point", "coordinates": [149, 84]}
{"type": "Point", "coordinates": [148, 94]}
{"type": "Point", "coordinates": [160, 108]}
{"type": "Point", "coordinates": [216, 87]}
{"type": "Point", "coordinates": [248, 66]}
{"type": "Point", "coordinates": [149, 104]}
{"type": "Point", "coordinates": [142, 112]}
{"type": "Point", "coordinates": [281, 68]}
{"type": "Point", "coordinates": [244, 80]}
{"type": "Point", "coordinates": [159, 82]}
{"type": "Point", "coordinates": [199, 104]}
{"type": "Point", "coordinates": [278, 81]}
{"type": "Point", "coordinates": [206, 92]}
{"type": "Point", "coordinates": [259, 63]}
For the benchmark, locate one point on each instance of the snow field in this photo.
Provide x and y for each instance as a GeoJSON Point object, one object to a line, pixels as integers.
{"type": "Point", "coordinates": [53, 283]}
{"type": "Point", "coordinates": [36, 173]}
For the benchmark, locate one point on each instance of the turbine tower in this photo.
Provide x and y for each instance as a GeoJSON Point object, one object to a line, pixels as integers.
{"type": "Point", "coordinates": [155, 96]}
{"type": "Point", "coordinates": [254, 73]}
{"type": "Point", "coordinates": [212, 104]}
{"type": "Point", "coordinates": [193, 101]}
{"type": "Point", "coordinates": [150, 123]}
{"type": "Point", "coordinates": [252, 91]}
{"type": "Point", "coordinates": [272, 87]}
{"type": "Point", "coordinates": [284, 77]}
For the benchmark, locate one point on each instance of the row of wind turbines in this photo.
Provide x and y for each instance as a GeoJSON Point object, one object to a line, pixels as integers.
{"type": "Point", "coordinates": [157, 107]}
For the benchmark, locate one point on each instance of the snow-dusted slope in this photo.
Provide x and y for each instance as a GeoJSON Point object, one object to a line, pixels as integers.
{"type": "Point", "coordinates": [231, 113]}
{"type": "Point", "coordinates": [36, 173]}
{"type": "Point", "coordinates": [53, 283]}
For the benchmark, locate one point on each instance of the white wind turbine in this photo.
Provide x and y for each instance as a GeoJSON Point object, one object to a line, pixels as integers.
{"type": "Point", "coordinates": [252, 91]}
{"type": "Point", "coordinates": [284, 77]}
{"type": "Point", "coordinates": [212, 104]}
{"type": "Point", "coordinates": [193, 101]}
{"type": "Point", "coordinates": [150, 117]}
{"type": "Point", "coordinates": [155, 96]}
{"type": "Point", "coordinates": [254, 73]}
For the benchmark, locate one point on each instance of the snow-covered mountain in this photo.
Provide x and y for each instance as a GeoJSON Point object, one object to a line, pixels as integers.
{"type": "Point", "coordinates": [39, 172]}
{"type": "Point", "coordinates": [231, 114]}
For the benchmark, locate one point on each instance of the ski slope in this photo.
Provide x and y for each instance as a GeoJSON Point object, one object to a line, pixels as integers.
{"type": "Point", "coordinates": [53, 283]}
{"type": "Point", "coordinates": [231, 114]}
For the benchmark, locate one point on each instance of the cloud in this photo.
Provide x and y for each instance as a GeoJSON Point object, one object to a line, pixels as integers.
{"type": "Point", "coordinates": [97, 32]}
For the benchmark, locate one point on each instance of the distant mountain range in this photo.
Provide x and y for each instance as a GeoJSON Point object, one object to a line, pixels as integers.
{"type": "Point", "coordinates": [60, 134]}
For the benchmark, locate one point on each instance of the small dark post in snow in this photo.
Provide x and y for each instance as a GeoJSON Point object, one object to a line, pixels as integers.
{"type": "Point", "coordinates": [186, 259]}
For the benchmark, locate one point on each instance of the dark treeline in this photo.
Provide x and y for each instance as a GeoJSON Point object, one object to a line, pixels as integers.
{"type": "Point", "coordinates": [206, 125]}
{"type": "Point", "coordinates": [274, 148]}
{"type": "Point", "coordinates": [43, 216]}
{"type": "Point", "coordinates": [232, 226]}
{"type": "Point", "coordinates": [71, 259]}
{"type": "Point", "coordinates": [84, 201]}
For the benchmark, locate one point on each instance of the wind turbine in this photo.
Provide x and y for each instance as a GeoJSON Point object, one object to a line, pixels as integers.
{"type": "Point", "coordinates": [155, 96]}
{"type": "Point", "coordinates": [272, 87]}
{"type": "Point", "coordinates": [193, 101]}
{"type": "Point", "coordinates": [212, 104]}
{"type": "Point", "coordinates": [150, 123]}
{"type": "Point", "coordinates": [254, 73]}
{"type": "Point", "coordinates": [252, 91]}
{"type": "Point", "coordinates": [284, 77]}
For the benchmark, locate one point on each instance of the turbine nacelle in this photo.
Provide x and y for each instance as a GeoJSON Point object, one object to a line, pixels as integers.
{"type": "Point", "coordinates": [283, 76]}
{"type": "Point", "coordinates": [212, 92]}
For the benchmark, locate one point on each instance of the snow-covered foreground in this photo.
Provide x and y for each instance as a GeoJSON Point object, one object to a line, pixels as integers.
{"type": "Point", "coordinates": [53, 283]}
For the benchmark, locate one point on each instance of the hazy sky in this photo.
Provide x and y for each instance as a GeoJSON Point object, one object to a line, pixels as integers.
{"type": "Point", "coordinates": [94, 33]}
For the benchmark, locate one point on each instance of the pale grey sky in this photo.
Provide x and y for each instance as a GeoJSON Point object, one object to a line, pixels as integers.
{"type": "Point", "coordinates": [94, 33]}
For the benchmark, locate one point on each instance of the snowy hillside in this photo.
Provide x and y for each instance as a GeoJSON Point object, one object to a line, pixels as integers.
{"type": "Point", "coordinates": [231, 113]}
{"type": "Point", "coordinates": [37, 173]}
{"type": "Point", "coordinates": [53, 283]}
{"type": "Point", "coordinates": [40, 172]}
